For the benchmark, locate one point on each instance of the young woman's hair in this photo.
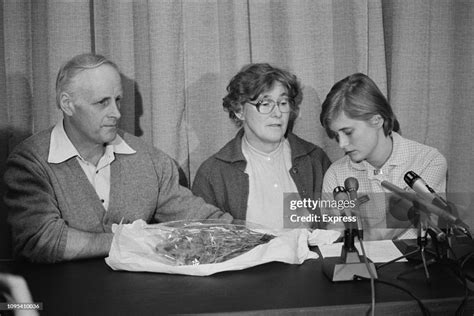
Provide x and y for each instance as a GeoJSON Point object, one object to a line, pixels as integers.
{"type": "Point", "coordinates": [359, 98]}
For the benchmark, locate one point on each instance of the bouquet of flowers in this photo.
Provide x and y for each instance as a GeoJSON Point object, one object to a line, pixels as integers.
{"type": "Point", "coordinates": [203, 247]}
{"type": "Point", "coordinates": [194, 243]}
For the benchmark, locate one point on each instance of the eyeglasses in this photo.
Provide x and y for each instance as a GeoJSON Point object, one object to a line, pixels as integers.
{"type": "Point", "coordinates": [266, 106]}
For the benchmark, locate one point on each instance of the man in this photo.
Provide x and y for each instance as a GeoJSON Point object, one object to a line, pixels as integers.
{"type": "Point", "coordinates": [67, 185]}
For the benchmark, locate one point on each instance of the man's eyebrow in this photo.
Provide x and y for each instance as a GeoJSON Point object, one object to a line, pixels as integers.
{"type": "Point", "coordinates": [103, 99]}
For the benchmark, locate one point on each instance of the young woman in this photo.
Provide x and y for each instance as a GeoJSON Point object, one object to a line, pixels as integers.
{"type": "Point", "coordinates": [357, 115]}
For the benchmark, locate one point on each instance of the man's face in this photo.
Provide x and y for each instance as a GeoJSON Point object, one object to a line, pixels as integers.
{"type": "Point", "coordinates": [95, 111]}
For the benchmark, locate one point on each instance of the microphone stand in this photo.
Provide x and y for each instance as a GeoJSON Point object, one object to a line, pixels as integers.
{"type": "Point", "coordinates": [424, 207]}
{"type": "Point", "coordinates": [422, 242]}
{"type": "Point", "coordinates": [458, 239]}
{"type": "Point", "coordinates": [350, 263]}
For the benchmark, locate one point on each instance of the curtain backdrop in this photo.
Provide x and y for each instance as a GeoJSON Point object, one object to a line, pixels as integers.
{"type": "Point", "coordinates": [178, 56]}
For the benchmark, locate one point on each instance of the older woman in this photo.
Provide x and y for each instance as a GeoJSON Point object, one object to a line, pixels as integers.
{"type": "Point", "coordinates": [357, 115]}
{"type": "Point", "coordinates": [250, 174]}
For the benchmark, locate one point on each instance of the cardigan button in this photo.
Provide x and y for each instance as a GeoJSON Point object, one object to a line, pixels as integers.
{"type": "Point", "coordinates": [294, 170]}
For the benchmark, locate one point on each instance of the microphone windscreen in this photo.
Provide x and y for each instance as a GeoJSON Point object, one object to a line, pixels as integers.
{"type": "Point", "coordinates": [401, 209]}
{"type": "Point", "coordinates": [410, 178]}
{"type": "Point", "coordinates": [339, 192]}
{"type": "Point", "coordinates": [351, 184]}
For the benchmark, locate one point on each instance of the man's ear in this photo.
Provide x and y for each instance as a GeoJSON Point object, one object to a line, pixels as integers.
{"type": "Point", "coordinates": [65, 103]}
{"type": "Point", "coordinates": [377, 120]}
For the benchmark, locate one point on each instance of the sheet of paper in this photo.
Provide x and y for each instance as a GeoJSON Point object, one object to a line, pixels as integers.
{"type": "Point", "coordinates": [377, 250]}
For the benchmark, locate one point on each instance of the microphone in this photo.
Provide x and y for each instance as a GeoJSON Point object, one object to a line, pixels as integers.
{"type": "Point", "coordinates": [352, 185]}
{"type": "Point", "coordinates": [426, 192]}
{"type": "Point", "coordinates": [419, 185]}
{"type": "Point", "coordinates": [349, 263]}
{"type": "Point", "coordinates": [426, 206]}
{"type": "Point", "coordinates": [340, 194]}
{"type": "Point", "coordinates": [403, 210]}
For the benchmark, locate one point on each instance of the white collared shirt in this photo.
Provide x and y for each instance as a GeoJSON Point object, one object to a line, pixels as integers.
{"type": "Point", "coordinates": [407, 155]}
{"type": "Point", "coordinates": [62, 149]}
{"type": "Point", "coordinates": [269, 179]}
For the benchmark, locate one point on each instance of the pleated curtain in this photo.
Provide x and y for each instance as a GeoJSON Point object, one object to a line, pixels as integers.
{"type": "Point", "coordinates": [177, 57]}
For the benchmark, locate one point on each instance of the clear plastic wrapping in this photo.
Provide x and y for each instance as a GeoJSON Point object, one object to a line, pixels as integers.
{"type": "Point", "coordinates": [141, 247]}
{"type": "Point", "coordinates": [204, 242]}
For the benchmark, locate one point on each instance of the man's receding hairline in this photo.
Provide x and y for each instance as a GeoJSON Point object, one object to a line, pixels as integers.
{"type": "Point", "coordinates": [73, 81]}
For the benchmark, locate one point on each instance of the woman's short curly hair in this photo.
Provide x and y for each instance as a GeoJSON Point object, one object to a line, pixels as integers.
{"type": "Point", "coordinates": [253, 80]}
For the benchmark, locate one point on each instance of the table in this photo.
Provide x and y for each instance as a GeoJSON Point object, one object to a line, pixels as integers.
{"type": "Point", "coordinates": [90, 287]}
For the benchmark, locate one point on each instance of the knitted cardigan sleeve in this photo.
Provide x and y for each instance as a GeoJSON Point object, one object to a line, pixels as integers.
{"type": "Point", "coordinates": [38, 231]}
{"type": "Point", "coordinates": [176, 202]}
